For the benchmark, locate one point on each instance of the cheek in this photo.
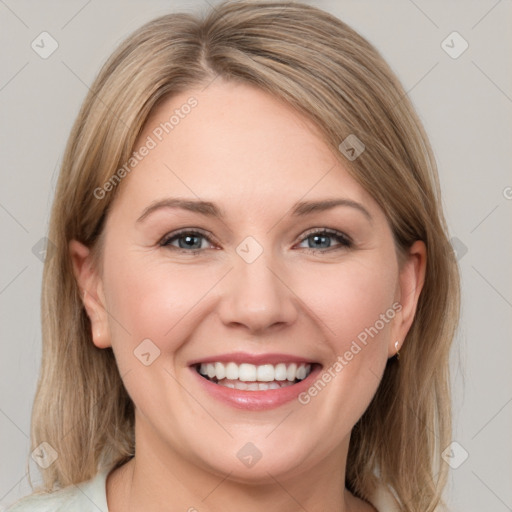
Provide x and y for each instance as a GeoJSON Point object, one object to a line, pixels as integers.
{"type": "Point", "coordinates": [355, 305]}
{"type": "Point", "coordinates": [353, 301]}
{"type": "Point", "coordinates": [151, 300]}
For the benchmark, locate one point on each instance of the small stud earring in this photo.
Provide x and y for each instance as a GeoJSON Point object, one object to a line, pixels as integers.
{"type": "Point", "coordinates": [397, 352]}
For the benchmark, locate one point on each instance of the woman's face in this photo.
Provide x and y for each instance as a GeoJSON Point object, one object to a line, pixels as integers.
{"type": "Point", "coordinates": [221, 256]}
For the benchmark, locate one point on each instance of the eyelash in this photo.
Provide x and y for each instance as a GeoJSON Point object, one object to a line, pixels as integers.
{"type": "Point", "coordinates": [344, 241]}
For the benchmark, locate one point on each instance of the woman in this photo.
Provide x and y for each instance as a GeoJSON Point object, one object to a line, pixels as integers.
{"type": "Point", "coordinates": [252, 297]}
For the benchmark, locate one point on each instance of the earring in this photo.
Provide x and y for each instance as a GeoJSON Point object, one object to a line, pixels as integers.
{"type": "Point", "coordinates": [397, 352]}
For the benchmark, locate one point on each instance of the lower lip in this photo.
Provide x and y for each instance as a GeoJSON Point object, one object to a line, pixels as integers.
{"type": "Point", "coordinates": [257, 400]}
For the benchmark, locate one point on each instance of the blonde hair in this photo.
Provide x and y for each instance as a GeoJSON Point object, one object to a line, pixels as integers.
{"type": "Point", "coordinates": [336, 78]}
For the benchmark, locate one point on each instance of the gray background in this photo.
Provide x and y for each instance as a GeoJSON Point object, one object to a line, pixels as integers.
{"type": "Point", "coordinates": [465, 104]}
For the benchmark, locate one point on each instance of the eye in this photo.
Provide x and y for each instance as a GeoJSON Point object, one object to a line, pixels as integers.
{"type": "Point", "coordinates": [321, 240]}
{"type": "Point", "coordinates": [186, 241]}
{"type": "Point", "coordinates": [194, 241]}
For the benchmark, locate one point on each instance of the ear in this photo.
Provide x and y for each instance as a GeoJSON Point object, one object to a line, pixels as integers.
{"type": "Point", "coordinates": [411, 279]}
{"type": "Point", "coordinates": [91, 288]}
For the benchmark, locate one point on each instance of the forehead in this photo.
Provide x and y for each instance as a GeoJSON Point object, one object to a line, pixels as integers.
{"type": "Point", "coordinates": [234, 141]}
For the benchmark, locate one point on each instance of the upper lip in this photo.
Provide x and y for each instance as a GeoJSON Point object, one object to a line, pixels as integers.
{"type": "Point", "coordinates": [256, 359]}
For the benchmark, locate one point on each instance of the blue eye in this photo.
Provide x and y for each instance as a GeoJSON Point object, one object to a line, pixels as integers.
{"type": "Point", "coordinates": [188, 241]}
{"type": "Point", "coordinates": [192, 242]}
{"type": "Point", "coordinates": [320, 240]}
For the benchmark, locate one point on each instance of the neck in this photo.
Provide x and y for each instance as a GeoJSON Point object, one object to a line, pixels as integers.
{"type": "Point", "coordinates": [160, 479]}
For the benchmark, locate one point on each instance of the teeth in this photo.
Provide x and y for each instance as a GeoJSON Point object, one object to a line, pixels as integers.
{"type": "Point", "coordinates": [291, 372]}
{"type": "Point", "coordinates": [253, 386]}
{"type": "Point", "coordinates": [265, 373]}
{"type": "Point", "coordinates": [280, 372]}
{"type": "Point", "coordinates": [247, 372]}
{"type": "Point", "coordinates": [220, 371]}
{"type": "Point", "coordinates": [231, 370]}
{"type": "Point", "coordinates": [210, 371]}
{"type": "Point", "coordinates": [301, 372]}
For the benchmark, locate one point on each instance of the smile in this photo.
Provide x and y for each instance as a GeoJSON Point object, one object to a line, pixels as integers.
{"type": "Point", "coordinates": [254, 382]}
{"type": "Point", "coordinates": [250, 377]}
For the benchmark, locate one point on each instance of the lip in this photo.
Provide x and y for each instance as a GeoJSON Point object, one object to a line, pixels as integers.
{"type": "Point", "coordinates": [255, 400]}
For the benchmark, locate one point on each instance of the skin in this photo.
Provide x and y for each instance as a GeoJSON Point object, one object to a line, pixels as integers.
{"type": "Point", "coordinates": [254, 157]}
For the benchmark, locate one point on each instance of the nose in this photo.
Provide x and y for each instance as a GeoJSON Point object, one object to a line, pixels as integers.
{"type": "Point", "coordinates": [256, 296]}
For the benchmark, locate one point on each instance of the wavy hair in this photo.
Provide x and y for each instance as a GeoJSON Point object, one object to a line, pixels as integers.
{"type": "Point", "coordinates": [329, 73]}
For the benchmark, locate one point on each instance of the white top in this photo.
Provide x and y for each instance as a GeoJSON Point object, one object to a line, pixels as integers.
{"type": "Point", "coordinates": [91, 496]}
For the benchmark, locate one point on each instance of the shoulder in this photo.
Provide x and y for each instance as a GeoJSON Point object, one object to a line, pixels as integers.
{"type": "Point", "coordinates": [46, 502]}
{"type": "Point", "coordinates": [383, 500]}
{"type": "Point", "coordinates": [87, 496]}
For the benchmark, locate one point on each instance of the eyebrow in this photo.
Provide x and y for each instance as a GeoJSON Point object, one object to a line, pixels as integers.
{"type": "Point", "coordinates": [209, 209]}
